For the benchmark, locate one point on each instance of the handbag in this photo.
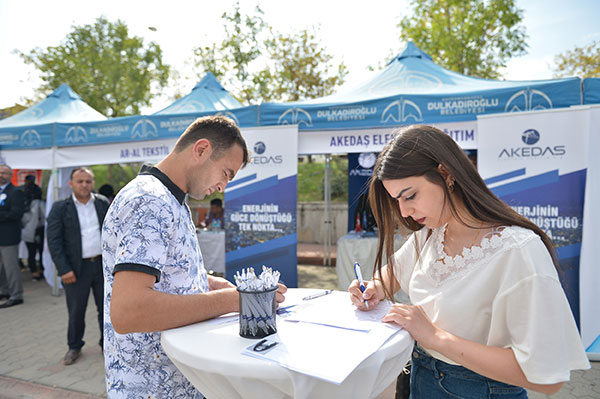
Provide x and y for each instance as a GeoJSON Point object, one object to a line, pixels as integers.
{"type": "Point", "coordinates": [403, 383]}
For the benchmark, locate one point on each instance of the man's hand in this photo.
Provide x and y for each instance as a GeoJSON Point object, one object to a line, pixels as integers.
{"type": "Point", "coordinates": [68, 278]}
{"type": "Point", "coordinates": [218, 283]}
{"type": "Point", "coordinates": [281, 289]}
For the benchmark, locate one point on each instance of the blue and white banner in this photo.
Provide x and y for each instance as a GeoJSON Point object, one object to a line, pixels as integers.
{"type": "Point", "coordinates": [260, 205]}
{"type": "Point", "coordinates": [462, 102]}
{"type": "Point", "coordinates": [536, 162]}
{"type": "Point", "coordinates": [590, 265]}
{"type": "Point", "coordinates": [141, 128]}
{"type": "Point", "coordinates": [373, 140]}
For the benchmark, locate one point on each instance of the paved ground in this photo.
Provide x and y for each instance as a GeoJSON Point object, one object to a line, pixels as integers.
{"type": "Point", "coordinates": [34, 342]}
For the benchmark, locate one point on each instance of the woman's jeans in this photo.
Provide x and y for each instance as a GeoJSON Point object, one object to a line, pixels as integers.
{"type": "Point", "coordinates": [431, 379]}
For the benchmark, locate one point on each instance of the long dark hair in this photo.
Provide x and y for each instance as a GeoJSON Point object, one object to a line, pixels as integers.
{"type": "Point", "coordinates": [419, 151]}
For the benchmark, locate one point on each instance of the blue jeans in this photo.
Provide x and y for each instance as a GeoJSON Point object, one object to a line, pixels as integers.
{"type": "Point", "coordinates": [431, 379]}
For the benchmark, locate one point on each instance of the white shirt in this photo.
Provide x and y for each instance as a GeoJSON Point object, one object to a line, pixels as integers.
{"type": "Point", "coordinates": [504, 293]}
{"type": "Point", "coordinates": [91, 238]}
{"type": "Point", "coordinates": [148, 229]}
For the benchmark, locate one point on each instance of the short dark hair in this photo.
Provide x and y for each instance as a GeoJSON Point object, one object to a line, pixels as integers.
{"type": "Point", "coordinates": [30, 178]}
{"type": "Point", "coordinates": [217, 202]}
{"type": "Point", "coordinates": [107, 190]}
{"type": "Point", "coordinates": [81, 169]}
{"type": "Point", "coordinates": [221, 131]}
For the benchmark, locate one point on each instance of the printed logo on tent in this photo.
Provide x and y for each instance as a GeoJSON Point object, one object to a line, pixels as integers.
{"type": "Point", "coordinates": [76, 134]}
{"type": "Point", "coordinates": [229, 115]}
{"type": "Point", "coordinates": [30, 138]}
{"type": "Point", "coordinates": [528, 100]}
{"type": "Point", "coordinates": [188, 107]}
{"type": "Point", "coordinates": [413, 79]}
{"type": "Point", "coordinates": [33, 112]}
{"type": "Point", "coordinates": [144, 128]}
{"type": "Point", "coordinates": [260, 147]}
{"type": "Point", "coordinates": [530, 136]}
{"type": "Point", "coordinates": [367, 159]}
{"type": "Point", "coordinates": [295, 116]}
{"type": "Point", "coordinates": [401, 111]}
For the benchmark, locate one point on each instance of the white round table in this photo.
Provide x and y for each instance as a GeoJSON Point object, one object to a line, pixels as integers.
{"type": "Point", "coordinates": [209, 355]}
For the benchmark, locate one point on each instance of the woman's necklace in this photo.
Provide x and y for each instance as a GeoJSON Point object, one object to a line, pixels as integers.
{"type": "Point", "coordinates": [474, 238]}
{"type": "Point", "coordinates": [476, 235]}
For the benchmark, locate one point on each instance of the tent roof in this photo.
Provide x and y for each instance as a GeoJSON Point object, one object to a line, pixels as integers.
{"type": "Point", "coordinates": [207, 95]}
{"type": "Point", "coordinates": [413, 72]}
{"type": "Point", "coordinates": [63, 105]}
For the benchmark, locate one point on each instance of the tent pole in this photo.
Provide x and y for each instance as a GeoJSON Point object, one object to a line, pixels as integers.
{"type": "Point", "coordinates": [326, 230]}
{"type": "Point", "coordinates": [55, 289]}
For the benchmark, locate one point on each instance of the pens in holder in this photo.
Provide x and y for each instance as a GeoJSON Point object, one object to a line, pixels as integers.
{"type": "Point", "coordinates": [317, 295]}
{"type": "Point", "coordinates": [360, 280]}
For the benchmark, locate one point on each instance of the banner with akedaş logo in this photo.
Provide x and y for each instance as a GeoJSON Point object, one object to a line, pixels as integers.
{"type": "Point", "coordinates": [536, 162]}
{"type": "Point", "coordinates": [260, 205]}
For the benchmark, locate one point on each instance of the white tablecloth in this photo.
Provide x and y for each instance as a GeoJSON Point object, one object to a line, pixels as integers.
{"type": "Point", "coordinates": [209, 355]}
{"type": "Point", "coordinates": [212, 245]}
{"type": "Point", "coordinates": [354, 248]}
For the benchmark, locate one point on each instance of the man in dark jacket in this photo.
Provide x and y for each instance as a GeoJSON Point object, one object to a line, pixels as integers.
{"type": "Point", "coordinates": [12, 205]}
{"type": "Point", "coordinates": [74, 239]}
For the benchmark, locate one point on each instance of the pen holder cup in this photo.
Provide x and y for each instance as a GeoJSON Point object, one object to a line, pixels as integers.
{"type": "Point", "coordinates": [257, 313]}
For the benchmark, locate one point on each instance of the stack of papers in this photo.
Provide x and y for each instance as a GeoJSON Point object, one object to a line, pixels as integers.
{"type": "Point", "coordinates": [326, 338]}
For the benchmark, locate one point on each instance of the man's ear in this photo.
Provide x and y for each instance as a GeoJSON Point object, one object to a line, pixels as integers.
{"type": "Point", "coordinates": [201, 149]}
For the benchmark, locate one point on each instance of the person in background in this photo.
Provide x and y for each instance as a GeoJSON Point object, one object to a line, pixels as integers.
{"type": "Point", "coordinates": [12, 205]}
{"type": "Point", "coordinates": [215, 219]}
{"type": "Point", "coordinates": [488, 311]}
{"type": "Point", "coordinates": [153, 266]}
{"type": "Point", "coordinates": [74, 239]}
{"type": "Point", "coordinates": [108, 191]}
{"type": "Point", "coordinates": [33, 225]}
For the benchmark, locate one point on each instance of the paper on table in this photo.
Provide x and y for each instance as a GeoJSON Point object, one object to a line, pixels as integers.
{"type": "Point", "coordinates": [344, 314]}
{"type": "Point", "coordinates": [307, 348]}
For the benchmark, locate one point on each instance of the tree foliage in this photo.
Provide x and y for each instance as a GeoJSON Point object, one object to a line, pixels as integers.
{"type": "Point", "coordinates": [472, 37]}
{"type": "Point", "coordinates": [230, 60]}
{"type": "Point", "coordinates": [581, 61]}
{"type": "Point", "coordinates": [112, 71]}
{"type": "Point", "coordinates": [299, 68]}
{"type": "Point", "coordinates": [259, 64]}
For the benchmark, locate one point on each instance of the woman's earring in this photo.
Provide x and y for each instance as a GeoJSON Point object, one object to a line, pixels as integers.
{"type": "Point", "coordinates": [451, 184]}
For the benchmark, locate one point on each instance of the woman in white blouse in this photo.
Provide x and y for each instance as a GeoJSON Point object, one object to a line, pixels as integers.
{"type": "Point", "coordinates": [488, 312]}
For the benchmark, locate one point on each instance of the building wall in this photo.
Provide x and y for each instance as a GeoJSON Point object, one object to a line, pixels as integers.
{"type": "Point", "coordinates": [311, 221]}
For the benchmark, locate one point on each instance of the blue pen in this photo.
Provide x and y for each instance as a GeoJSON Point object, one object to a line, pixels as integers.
{"type": "Point", "coordinates": [360, 280]}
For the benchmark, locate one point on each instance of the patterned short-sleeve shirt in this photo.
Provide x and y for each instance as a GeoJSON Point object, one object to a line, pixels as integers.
{"type": "Point", "coordinates": [148, 229]}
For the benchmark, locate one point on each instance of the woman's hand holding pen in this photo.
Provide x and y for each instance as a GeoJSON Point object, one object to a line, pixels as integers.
{"type": "Point", "coordinates": [373, 293]}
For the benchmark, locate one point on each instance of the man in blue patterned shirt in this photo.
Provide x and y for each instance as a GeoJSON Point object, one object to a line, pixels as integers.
{"type": "Point", "coordinates": [153, 269]}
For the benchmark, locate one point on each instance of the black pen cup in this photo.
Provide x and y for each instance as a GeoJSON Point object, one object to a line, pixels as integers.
{"type": "Point", "coordinates": [258, 310]}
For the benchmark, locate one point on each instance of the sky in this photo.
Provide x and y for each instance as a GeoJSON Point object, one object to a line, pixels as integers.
{"type": "Point", "coordinates": [359, 33]}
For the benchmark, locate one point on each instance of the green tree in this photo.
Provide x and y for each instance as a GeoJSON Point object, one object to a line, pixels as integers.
{"type": "Point", "coordinates": [299, 68]}
{"type": "Point", "coordinates": [259, 64]}
{"type": "Point", "coordinates": [472, 37]}
{"type": "Point", "coordinates": [581, 61]}
{"type": "Point", "coordinates": [231, 59]}
{"type": "Point", "coordinates": [112, 71]}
